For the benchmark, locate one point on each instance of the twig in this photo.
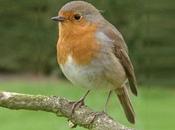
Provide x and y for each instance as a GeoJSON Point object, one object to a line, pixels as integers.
{"type": "Point", "coordinates": [82, 116]}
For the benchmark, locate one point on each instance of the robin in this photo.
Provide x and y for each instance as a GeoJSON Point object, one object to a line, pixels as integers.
{"type": "Point", "coordinates": [92, 53]}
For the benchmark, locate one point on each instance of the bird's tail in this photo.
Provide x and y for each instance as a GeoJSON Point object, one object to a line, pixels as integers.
{"type": "Point", "coordinates": [125, 101]}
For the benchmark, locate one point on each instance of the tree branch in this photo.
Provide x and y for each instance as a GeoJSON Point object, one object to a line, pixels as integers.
{"type": "Point", "coordinates": [82, 116]}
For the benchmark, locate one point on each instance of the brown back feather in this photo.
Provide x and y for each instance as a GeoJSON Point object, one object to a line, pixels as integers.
{"type": "Point", "coordinates": [121, 52]}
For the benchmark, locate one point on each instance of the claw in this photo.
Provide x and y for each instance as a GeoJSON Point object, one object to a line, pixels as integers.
{"type": "Point", "coordinates": [96, 114]}
{"type": "Point", "coordinates": [79, 103]}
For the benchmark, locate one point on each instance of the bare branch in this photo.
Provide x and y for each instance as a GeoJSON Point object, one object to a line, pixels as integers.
{"type": "Point", "coordinates": [83, 116]}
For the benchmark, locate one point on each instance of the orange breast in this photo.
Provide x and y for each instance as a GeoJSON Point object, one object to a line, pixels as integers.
{"type": "Point", "coordinates": [78, 42]}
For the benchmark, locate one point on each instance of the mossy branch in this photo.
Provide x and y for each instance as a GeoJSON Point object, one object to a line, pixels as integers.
{"type": "Point", "coordinates": [82, 116]}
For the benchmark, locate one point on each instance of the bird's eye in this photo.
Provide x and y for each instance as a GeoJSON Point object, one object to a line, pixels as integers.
{"type": "Point", "coordinates": [77, 16]}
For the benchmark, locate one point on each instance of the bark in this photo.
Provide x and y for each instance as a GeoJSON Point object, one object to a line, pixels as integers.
{"type": "Point", "coordinates": [83, 116]}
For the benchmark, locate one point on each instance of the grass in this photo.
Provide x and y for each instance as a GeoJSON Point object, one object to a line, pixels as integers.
{"type": "Point", "coordinates": [155, 106]}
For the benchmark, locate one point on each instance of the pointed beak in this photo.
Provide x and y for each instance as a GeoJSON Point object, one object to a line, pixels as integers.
{"type": "Point", "coordinates": [58, 18]}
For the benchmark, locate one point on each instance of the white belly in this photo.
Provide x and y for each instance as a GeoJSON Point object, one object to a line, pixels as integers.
{"type": "Point", "coordinates": [97, 74]}
{"type": "Point", "coordinates": [87, 76]}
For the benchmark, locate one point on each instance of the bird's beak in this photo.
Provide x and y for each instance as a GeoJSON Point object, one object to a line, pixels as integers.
{"type": "Point", "coordinates": [58, 18]}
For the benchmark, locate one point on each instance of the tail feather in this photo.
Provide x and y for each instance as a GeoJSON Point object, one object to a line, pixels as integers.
{"type": "Point", "coordinates": [125, 101]}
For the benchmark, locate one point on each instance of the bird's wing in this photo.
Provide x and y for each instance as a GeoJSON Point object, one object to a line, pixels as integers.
{"type": "Point", "coordinates": [121, 52]}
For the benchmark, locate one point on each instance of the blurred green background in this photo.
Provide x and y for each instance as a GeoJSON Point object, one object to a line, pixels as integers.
{"type": "Point", "coordinates": [28, 60]}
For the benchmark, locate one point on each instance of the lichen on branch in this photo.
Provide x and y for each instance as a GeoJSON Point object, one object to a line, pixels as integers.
{"type": "Point", "coordinates": [82, 116]}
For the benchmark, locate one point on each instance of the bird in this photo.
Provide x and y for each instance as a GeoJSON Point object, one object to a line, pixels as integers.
{"type": "Point", "coordinates": [92, 53]}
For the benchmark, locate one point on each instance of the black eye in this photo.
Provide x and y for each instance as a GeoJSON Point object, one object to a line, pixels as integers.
{"type": "Point", "coordinates": [77, 16]}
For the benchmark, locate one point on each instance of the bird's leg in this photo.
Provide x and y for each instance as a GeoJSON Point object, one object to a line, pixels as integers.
{"type": "Point", "coordinates": [96, 114]}
{"type": "Point", "coordinates": [107, 100]}
{"type": "Point", "coordinates": [79, 103]}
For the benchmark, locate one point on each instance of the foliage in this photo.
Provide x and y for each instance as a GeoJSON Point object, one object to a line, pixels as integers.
{"type": "Point", "coordinates": [28, 36]}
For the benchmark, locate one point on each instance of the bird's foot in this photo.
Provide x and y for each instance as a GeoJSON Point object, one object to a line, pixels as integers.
{"type": "Point", "coordinates": [96, 114]}
{"type": "Point", "coordinates": [77, 104]}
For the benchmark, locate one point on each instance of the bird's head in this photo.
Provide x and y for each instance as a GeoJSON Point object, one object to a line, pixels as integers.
{"type": "Point", "coordinates": [78, 15]}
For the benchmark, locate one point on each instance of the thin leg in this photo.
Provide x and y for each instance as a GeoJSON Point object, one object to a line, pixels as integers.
{"type": "Point", "coordinates": [80, 102]}
{"type": "Point", "coordinates": [83, 98]}
{"type": "Point", "coordinates": [109, 95]}
{"type": "Point", "coordinates": [96, 114]}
